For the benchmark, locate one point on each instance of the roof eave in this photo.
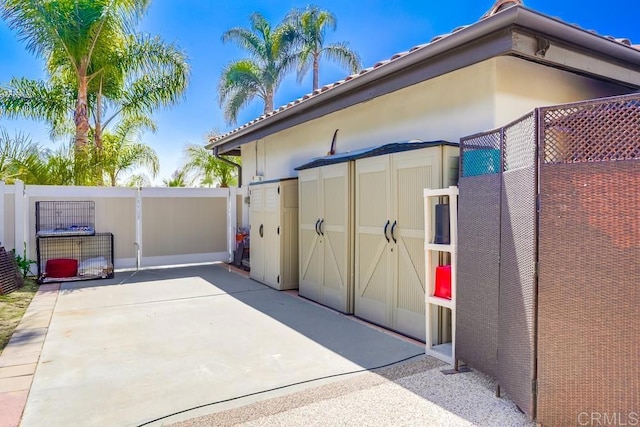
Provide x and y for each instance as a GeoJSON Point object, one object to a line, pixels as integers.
{"type": "Point", "coordinates": [514, 16]}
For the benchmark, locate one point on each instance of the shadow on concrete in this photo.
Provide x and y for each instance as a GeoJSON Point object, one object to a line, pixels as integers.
{"type": "Point", "coordinates": [355, 341]}
{"type": "Point", "coordinates": [367, 347]}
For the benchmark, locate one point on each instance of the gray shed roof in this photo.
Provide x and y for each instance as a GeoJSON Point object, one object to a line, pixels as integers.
{"type": "Point", "coordinates": [394, 147]}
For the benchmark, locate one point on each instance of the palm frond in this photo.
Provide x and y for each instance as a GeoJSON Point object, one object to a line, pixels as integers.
{"type": "Point", "coordinates": [211, 171]}
{"type": "Point", "coordinates": [341, 54]}
{"type": "Point", "coordinates": [39, 101]}
{"type": "Point", "coordinates": [246, 40]}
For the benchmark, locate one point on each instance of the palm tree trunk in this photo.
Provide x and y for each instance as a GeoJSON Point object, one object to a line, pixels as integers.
{"type": "Point", "coordinates": [81, 115]}
{"type": "Point", "coordinates": [316, 70]}
{"type": "Point", "coordinates": [98, 128]}
{"type": "Point", "coordinates": [268, 102]}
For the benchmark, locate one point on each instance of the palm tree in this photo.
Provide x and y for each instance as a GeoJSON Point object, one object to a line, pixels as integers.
{"type": "Point", "coordinates": [20, 158]}
{"type": "Point", "coordinates": [94, 61]}
{"type": "Point", "coordinates": [212, 171]}
{"type": "Point", "coordinates": [311, 25]}
{"type": "Point", "coordinates": [122, 152]}
{"type": "Point", "coordinates": [138, 180]}
{"type": "Point", "coordinates": [179, 178]}
{"type": "Point", "coordinates": [75, 37]}
{"type": "Point", "coordinates": [150, 75]}
{"type": "Point", "coordinates": [259, 76]}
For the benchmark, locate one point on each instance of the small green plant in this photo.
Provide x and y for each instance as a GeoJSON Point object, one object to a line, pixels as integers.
{"type": "Point", "coordinates": [23, 261]}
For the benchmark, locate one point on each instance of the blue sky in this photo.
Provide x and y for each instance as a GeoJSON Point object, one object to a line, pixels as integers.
{"type": "Point", "coordinates": [376, 29]}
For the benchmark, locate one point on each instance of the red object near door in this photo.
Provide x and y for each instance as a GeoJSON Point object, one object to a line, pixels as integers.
{"type": "Point", "coordinates": [443, 281]}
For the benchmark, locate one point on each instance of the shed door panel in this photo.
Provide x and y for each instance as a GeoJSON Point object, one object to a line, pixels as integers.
{"type": "Point", "coordinates": [373, 257]}
{"type": "Point", "coordinates": [311, 251]}
{"type": "Point", "coordinates": [272, 247]}
{"type": "Point", "coordinates": [256, 220]}
{"type": "Point", "coordinates": [335, 229]}
{"type": "Point", "coordinates": [412, 172]}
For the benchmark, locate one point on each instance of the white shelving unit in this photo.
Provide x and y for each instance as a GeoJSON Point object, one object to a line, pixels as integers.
{"type": "Point", "coordinates": [442, 351]}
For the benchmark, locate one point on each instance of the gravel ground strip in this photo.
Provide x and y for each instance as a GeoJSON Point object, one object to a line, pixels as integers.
{"type": "Point", "coordinates": [409, 394]}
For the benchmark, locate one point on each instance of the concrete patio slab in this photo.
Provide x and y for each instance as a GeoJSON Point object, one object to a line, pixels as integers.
{"type": "Point", "coordinates": [144, 346]}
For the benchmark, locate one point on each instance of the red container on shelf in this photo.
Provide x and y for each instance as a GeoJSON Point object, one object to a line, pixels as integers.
{"type": "Point", "coordinates": [443, 281]}
{"type": "Point", "coordinates": [61, 267]}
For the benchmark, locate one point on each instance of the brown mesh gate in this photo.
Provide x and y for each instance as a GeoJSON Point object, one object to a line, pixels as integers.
{"type": "Point", "coordinates": [589, 268]}
{"type": "Point", "coordinates": [560, 186]}
{"type": "Point", "coordinates": [517, 298]}
{"type": "Point", "coordinates": [478, 252]}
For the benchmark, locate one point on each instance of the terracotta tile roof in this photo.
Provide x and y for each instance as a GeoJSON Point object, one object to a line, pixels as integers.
{"type": "Point", "coordinates": [499, 6]}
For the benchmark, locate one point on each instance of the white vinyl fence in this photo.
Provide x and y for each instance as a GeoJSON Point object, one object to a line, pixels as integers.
{"type": "Point", "coordinates": [151, 226]}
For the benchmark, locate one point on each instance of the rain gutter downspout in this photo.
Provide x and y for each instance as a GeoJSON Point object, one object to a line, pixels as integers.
{"type": "Point", "coordinates": [217, 155]}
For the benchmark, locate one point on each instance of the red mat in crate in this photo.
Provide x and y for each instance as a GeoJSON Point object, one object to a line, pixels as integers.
{"type": "Point", "coordinates": [62, 267]}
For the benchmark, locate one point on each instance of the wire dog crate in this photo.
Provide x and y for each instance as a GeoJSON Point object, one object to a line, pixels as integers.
{"type": "Point", "coordinates": [65, 218]}
{"type": "Point", "coordinates": [71, 258]}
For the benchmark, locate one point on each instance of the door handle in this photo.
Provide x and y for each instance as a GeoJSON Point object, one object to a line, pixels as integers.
{"type": "Point", "coordinates": [261, 230]}
{"type": "Point", "coordinates": [385, 230]}
{"type": "Point", "coordinates": [393, 232]}
{"type": "Point", "coordinates": [320, 226]}
{"type": "Point", "coordinates": [317, 222]}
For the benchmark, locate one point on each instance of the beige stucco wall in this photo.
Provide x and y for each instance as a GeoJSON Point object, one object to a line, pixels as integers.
{"type": "Point", "coordinates": [523, 85]}
{"type": "Point", "coordinates": [446, 107]}
{"type": "Point", "coordinates": [467, 101]}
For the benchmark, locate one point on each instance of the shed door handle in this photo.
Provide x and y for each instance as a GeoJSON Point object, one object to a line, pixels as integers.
{"type": "Point", "coordinates": [261, 230]}
{"type": "Point", "coordinates": [320, 226]}
{"type": "Point", "coordinates": [317, 222]}
{"type": "Point", "coordinates": [385, 230]}
{"type": "Point", "coordinates": [393, 232]}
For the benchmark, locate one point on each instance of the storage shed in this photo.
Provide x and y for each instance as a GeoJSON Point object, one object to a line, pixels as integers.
{"type": "Point", "coordinates": [362, 229]}
{"type": "Point", "coordinates": [273, 214]}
